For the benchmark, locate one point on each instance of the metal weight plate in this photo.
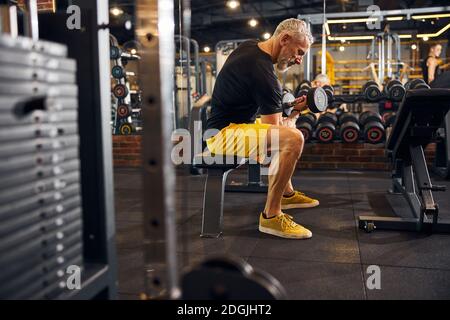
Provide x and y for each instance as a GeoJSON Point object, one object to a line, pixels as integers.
{"type": "Point", "coordinates": [37, 282]}
{"type": "Point", "coordinates": [317, 100]}
{"type": "Point", "coordinates": [8, 150]}
{"type": "Point", "coordinates": [23, 162]}
{"type": "Point", "coordinates": [45, 185]}
{"type": "Point", "coordinates": [45, 272]}
{"type": "Point", "coordinates": [124, 110]}
{"type": "Point", "coordinates": [126, 128]}
{"type": "Point", "coordinates": [18, 73]}
{"type": "Point", "coordinates": [38, 173]}
{"type": "Point", "coordinates": [19, 243]}
{"type": "Point", "coordinates": [42, 265]}
{"type": "Point", "coordinates": [11, 223]}
{"type": "Point", "coordinates": [14, 133]}
{"type": "Point", "coordinates": [120, 91]}
{"type": "Point", "coordinates": [26, 219]}
{"type": "Point", "coordinates": [117, 72]}
{"type": "Point", "coordinates": [38, 201]}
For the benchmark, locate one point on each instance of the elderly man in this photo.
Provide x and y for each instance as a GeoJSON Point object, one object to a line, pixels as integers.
{"type": "Point", "coordinates": [246, 84]}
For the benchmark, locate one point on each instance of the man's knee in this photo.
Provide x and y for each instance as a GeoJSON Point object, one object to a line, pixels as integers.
{"type": "Point", "coordinates": [293, 141]}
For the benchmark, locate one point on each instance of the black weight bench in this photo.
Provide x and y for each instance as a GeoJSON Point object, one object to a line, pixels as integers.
{"type": "Point", "coordinates": [420, 115]}
{"type": "Point", "coordinates": [215, 185]}
{"type": "Point", "coordinates": [217, 173]}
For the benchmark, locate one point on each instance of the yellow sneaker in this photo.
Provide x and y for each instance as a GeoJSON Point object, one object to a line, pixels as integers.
{"type": "Point", "coordinates": [298, 200]}
{"type": "Point", "coordinates": [283, 226]}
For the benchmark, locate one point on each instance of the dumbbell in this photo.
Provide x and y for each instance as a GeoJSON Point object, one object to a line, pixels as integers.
{"type": "Point", "coordinates": [114, 52]}
{"type": "Point", "coordinates": [372, 125]}
{"type": "Point", "coordinates": [305, 84]}
{"type": "Point", "coordinates": [306, 124]}
{"type": "Point", "coordinates": [117, 72]}
{"type": "Point", "coordinates": [371, 91]}
{"type": "Point", "coordinates": [416, 84]}
{"type": "Point", "coordinates": [349, 127]}
{"type": "Point", "coordinates": [395, 90]}
{"type": "Point", "coordinates": [326, 127]}
{"type": "Point", "coordinates": [126, 128]}
{"type": "Point", "coordinates": [120, 91]}
{"type": "Point", "coordinates": [330, 92]}
{"type": "Point", "coordinates": [124, 110]}
{"type": "Point", "coordinates": [388, 118]}
{"type": "Point", "coordinates": [316, 100]}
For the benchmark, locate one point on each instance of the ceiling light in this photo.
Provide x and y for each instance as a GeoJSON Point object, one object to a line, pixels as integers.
{"type": "Point", "coordinates": [413, 46]}
{"type": "Point", "coordinates": [253, 23]}
{"type": "Point", "coordinates": [128, 25]}
{"type": "Point", "coordinates": [352, 20]}
{"type": "Point", "coordinates": [431, 16]}
{"type": "Point", "coordinates": [133, 51]}
{"type": "Point", "coordinates": [233, 4]}
{"type": "Point", "coordinates": [432, 35]}
{"type": "Point", "coordinates": [394, 18]}
{"type": "Point", "coordinates": [342, 40]}
{"type": "Point", "coordinates": [206, 49]}
{"type": "Point", "coordinates": [345, 38]}
{"type": "Point", "coordinates": [425, 38]}
{"type": "Point", "coordinates": [116, 11]}
{"type": "Point", "coordinates": [341, 48]}
{"type": "Point", "coordinates": [266, 36]}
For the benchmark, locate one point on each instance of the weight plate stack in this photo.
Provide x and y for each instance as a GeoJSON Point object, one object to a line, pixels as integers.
{"type": "Point", "coordinates": [40, 193]}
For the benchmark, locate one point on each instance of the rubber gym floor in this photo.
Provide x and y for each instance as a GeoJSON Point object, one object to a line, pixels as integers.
{"type": "Point", "coordinates": [331, 265]}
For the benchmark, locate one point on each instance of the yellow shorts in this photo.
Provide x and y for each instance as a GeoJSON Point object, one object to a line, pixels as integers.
{"type": "Point", "coordinates": [245, 140]}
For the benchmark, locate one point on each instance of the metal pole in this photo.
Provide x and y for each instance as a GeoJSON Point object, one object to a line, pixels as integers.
{"type": "Point", "coordinates": [13, 27]}
{"type": "Point", "coordinates": [154, 30]}
{"type": "Point", "coordinates": [32, 29]}
{"type": "Point", "coordinates": [198, 85]}
{"type": "Point", "coordinates": [324, 43]}
{"type": "Point", "coordinates": [308, 56]}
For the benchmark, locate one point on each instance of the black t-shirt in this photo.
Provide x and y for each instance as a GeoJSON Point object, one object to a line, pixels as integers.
{"type": "Point", "coordinates": [247, 83]}
{"type": "Point", "coordinates": [437, 71]}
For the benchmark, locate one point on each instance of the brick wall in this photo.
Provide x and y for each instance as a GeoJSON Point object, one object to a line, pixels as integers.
{"type": "Point", "coordinates": [43, 5]}
{"type": "Point", "coordinates": [126, 152]}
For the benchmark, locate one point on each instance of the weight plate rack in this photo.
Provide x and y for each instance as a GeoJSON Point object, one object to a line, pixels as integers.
{"type": "Point", "coordinates": [40, 193]}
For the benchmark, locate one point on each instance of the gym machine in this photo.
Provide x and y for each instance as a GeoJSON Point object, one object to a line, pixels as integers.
{"type": "Point", "coordinates": [415, 127]}
{"type": "Point", "coordinates": [58, 206]}
{"type": "Point", "coordinates": [215, 278]}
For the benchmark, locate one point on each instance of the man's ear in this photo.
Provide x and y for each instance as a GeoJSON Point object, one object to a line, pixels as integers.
{"type": "Point", "coordinates": [285, 38]}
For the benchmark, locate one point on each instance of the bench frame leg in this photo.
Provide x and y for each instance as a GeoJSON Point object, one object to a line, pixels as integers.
{"type": "Point", "coordinates": [254, 183]}
{"type": "Point", "coordinates": [213, 203]}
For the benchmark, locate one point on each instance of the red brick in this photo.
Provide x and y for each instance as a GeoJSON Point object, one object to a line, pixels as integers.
{"type": "Point", "coordinates": [334, 158]}
{"type": "Point", "coordinates": [376, 166]}
{"type": "Point", "coordinates": [323, 165]}
{"type": "Point", "coordinates": [380, 159]}
{"type": "Point", "coordinates": [346, 152]}
{"type": "Point", "coordinates": [359, 159]}
{"type": "Point", "coordinates": [311, 158]}
{"type": "Point", "coordinates": [372, 152]}
{"type": "Point", "coordinates": [353, 146]}
{"type": "Point", "coordinates": [349, 165]}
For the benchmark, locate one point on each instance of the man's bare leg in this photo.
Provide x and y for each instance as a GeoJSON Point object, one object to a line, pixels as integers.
{"type": "Point", "coordinates": [282, 166]}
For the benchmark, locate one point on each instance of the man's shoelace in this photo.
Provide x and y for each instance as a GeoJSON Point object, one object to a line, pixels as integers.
{"type": "Point", "coordinates": [287, 222]}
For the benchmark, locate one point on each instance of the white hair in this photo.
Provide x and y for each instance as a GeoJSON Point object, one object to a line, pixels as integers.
{"type": "Point", "coordinates": [295, 27]}
{"type": "Point", "coordinates": [322, 78]}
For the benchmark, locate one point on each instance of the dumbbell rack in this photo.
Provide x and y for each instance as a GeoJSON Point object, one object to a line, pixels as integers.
{"type": "Point", "coordinates": [125, 116]}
